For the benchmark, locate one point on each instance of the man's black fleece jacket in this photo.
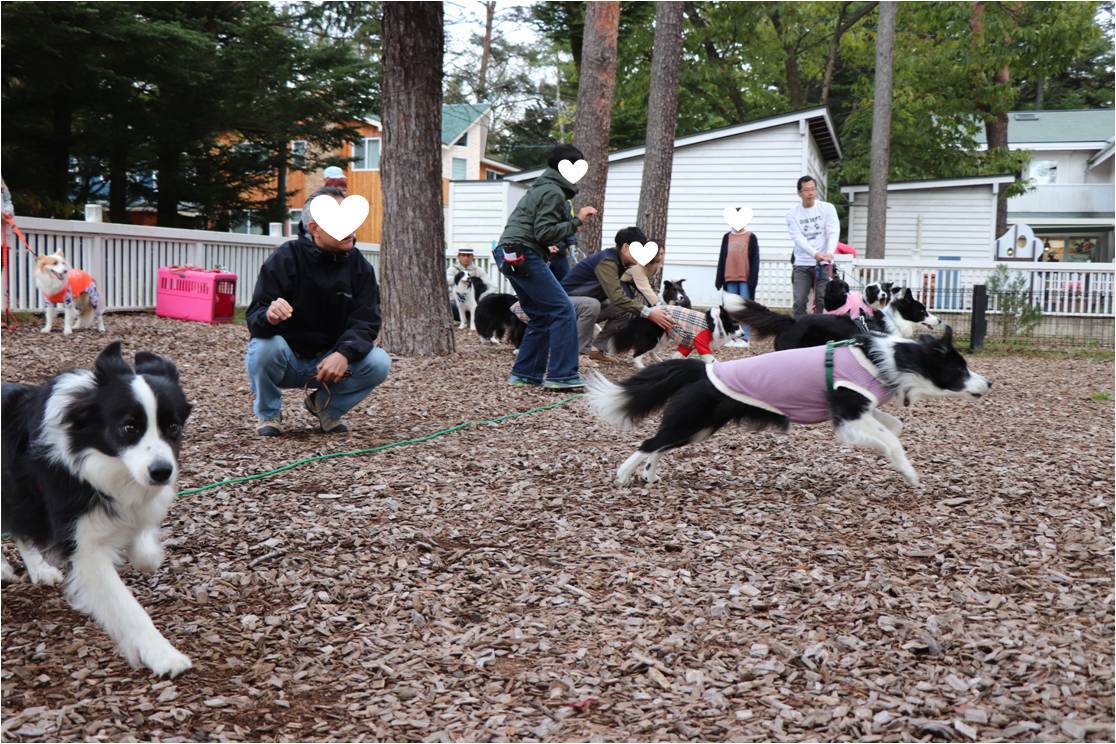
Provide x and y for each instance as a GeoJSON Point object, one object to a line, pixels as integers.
{"type": "Point", "coordinates": [334, 294]}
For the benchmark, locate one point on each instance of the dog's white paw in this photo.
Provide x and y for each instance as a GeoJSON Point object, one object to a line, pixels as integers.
{"type": "Point", "coordinates": [9, 574]}
{"type": "Point", "coordinates": [649, 477]}
{"type": "Point", "coordinates": [147, 558]}
{"type": "Point", "coordinates": [44, 574]}
{"type": "Point", "coordinates": [45, 330]}
{"type": "Point", "coordinates": [164, 659]}
{"type": "Point", "coordinates": [67, 331]}
{"type": "Point", "coordinates": [912, 478]}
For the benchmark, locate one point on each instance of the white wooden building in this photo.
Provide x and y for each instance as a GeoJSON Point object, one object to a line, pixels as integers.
{"type": "Point", "coordinates": [755, 165]}
{"type": "Point", "coordinates": [947, 220]}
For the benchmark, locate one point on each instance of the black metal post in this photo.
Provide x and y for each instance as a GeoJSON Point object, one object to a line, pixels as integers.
{"type": "Point", "coordinates": [979, 327]}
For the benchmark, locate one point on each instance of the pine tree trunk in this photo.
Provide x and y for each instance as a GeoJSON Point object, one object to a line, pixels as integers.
{"type": "Point", "coordinates": [881, 132]}
{"type": "Point", "coordinates": [594, 114]}
{"type": "Point", "coordinates": [486, 50]}
{"type": "Point", "coordinates": [414, 301]}
{"type": "Point", "coordinates": [662, 114]}
{"type": "Point", "coordinates": [996, 132]}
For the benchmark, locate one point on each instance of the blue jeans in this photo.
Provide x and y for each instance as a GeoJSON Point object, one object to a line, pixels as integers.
{"type": "Point", "coordinates": [549, 346]}
{"type": "Point", "coordinates": [272, 366]}
{"type": "Point", "coordinates": [742, 289]}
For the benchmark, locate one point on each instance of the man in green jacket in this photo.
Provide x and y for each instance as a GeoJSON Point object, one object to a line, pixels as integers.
{"type": "Point", "coordinates": [548, 353]}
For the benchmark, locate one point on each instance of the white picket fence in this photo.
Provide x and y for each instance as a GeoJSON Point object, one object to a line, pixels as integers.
{"type": "Point", "coordinates": [124, 260]}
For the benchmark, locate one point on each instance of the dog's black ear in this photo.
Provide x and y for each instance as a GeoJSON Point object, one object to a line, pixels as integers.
{"type": "Point", "coordinates": [153, 364]}
{"type": "Point", "coordinates": [947, 337]}
{"type": "Point", "coordinates": [110, 363]}
{"type": "Point", "coordinates": [907, 294]}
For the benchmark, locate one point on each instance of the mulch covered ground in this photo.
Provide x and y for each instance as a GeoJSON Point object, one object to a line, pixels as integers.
{"type": "Point", "coordinates": [494, 584]}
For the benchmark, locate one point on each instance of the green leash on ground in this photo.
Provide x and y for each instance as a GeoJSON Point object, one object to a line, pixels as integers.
{"type": "Point", "coordinates": [380, 448]}
{"type": "Point", "coordinates": [370, 450]}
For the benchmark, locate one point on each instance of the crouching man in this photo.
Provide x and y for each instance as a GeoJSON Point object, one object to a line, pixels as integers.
{"type": "Point", "coordinates": [313, 321]}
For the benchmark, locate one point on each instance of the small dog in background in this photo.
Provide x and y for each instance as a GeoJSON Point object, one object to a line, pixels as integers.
{"type": "Point", "coordinates": [73, 290]}
{"type": "Point", "coordinates": [467, 291]}
{"type": "Point", "coordinates": [90, 461]}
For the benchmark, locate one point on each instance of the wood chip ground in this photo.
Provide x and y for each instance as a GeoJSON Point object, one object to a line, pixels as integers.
{"type": "Point", "coordinates": [493, 584]}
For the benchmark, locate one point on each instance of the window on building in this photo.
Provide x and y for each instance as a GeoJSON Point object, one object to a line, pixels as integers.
{"type": "Point", "coordinates": [460, 169]}
{"type": "Point", "coordinates": [491, 175]}
{"type": "Point", "coordinates": [292, 222]}
{"type": "Point", "coordinates": [1043, 171]}
{"type": "Point", "coordinates": [298, 154]}
{"type": "Point", "coordinates": [367, 154]}
{"type": "Point", "coordinates": [247, 222]}
{"type": "Point", "coordinates": [1072, 247]}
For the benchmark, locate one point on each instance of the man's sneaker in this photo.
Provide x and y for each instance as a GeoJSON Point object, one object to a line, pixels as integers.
{"type": "Point", "coordinates": [269, 427]}
{"type": "Point", "coordinates": [570, 384]}
{"type": "Point", "coordinates": [328, 424]}
{"type": "Point", "coordinates": [517, 381]}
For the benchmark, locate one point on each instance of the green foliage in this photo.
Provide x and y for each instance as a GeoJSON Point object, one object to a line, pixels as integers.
{"type": "Point", "coordinates": [1017, 315]}
{"type": "Point", "coordinates": [122, 90]}
{"type": "Point", "coordinates": [1102, 395]}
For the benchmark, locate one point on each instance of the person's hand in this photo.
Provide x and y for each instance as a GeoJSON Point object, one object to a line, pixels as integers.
{"type": "Point", "coordinates": [585, 213]}
{"type": "Point", "coordinates": [659, 317]}
{"type": "Point", "coordinates": [278, 311]}
{"type": "Point", "coordinates": [333, 367]}
{"type": "Point", "coordinates": [552, 248]}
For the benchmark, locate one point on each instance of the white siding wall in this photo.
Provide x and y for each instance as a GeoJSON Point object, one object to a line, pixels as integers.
{"type": "Point", "coordinates": [478, 212]}
{"type": "Point", "coordinates": [755, 169]}
{"type": "Point", "coordinates": [929, 223]}
{"type": "Point", "coordinates": [815, 167]}
{"type": "Point", "coordinates": [1103, 173]}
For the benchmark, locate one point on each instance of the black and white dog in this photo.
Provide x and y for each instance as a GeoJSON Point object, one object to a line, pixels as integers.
{"type": "Point", "coordinates": [902, 316]}
{"type": "Point", "coordinates": [89, 471]}
{"type": "Point", "coordinates": [496, 322]}
{"type": "Point", "coordinates": [770, 391]}
{"type": "Point", "coordinates": [693, 330]}
{"type": "Point", "coordinates": [467, 290]}
{"type": "Point", "coordinates": [674, 294]}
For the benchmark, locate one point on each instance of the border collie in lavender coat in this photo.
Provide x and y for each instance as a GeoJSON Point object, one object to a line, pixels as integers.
{"type": "Point", "coordinates": [89, 471]}
{"type": "Point", "coordinates": [771, 391]}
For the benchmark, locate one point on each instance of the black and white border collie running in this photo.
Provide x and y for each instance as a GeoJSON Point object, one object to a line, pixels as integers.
{"type": "Point", "coordinates": [495, 320]}
{"type": "Point", "coordinates": [89, 472]}
{"type": "Point", "coordinates": [467, 290]}
{"type": "Point", "coordinates": [699, 401]}
{"type": "Point", "coordinates": [902, 316]}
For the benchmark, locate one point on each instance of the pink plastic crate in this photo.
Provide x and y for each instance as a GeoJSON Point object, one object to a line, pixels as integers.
{"type": "Point", "coordinates": [190, 293]}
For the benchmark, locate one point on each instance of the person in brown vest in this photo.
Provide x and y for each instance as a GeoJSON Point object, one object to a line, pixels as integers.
{"type": "Point", "coordinates": [737, 271]}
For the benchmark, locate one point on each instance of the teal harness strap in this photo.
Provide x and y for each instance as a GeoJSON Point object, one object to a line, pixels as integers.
{"type": "Point", "coordinates": [829, 347]}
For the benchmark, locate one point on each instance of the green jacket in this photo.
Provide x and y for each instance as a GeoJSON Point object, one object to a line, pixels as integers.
{"type": "Point", "coordinates": [542, 217]}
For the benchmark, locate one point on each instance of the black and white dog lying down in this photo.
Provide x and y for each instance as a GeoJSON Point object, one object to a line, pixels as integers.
{"type": "Point", "coordinates": [903, 316]}
{"type": "Point", "coordinates": [770, 391]}
{"type": "Point", "coordinates": [89, 471]}
{"type": "Point", "coordinates": [495, 320]}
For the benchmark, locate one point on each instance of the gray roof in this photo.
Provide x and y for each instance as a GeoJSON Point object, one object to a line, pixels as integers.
{"type": "Point", "coordinates": [1081, 125]}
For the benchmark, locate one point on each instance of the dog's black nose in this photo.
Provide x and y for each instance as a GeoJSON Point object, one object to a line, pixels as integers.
{"type": "Point", "coordinates": [160, 472]}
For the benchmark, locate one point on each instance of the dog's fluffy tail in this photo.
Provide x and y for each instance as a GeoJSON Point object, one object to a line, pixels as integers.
{"type": "Point", "coordinates": [762, 321]}
{"type": "Point", "coordinates": [624, 404]}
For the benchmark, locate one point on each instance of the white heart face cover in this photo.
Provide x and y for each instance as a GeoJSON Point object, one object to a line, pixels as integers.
{"type": "Point", "coordinates": [644, 254]}
{"type": "Point", "coordinates": [573, 172]}
{"type": "Point", "coordinates": [339, 220]}
{"type": "Point", "coordinates": [738, 219]}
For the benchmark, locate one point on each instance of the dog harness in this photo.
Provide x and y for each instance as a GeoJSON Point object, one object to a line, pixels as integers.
{"type": "Point", "coordinates": [854, 306]}
{"type": "Point", "coordinates": [792, 383]}
{"type": "Point", "coordinates": [77, 281]}
{"type": "Point", "coordinates": [689, 331]}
